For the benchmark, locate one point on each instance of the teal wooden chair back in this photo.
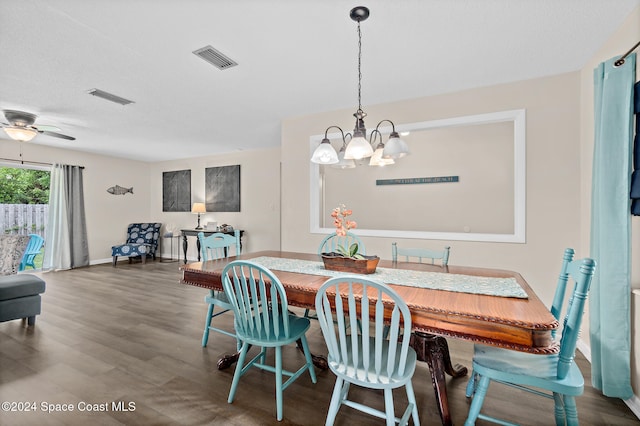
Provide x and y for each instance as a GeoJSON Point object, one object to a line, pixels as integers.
{"type": "Point", "coordinates": [218, 246]}
{"type": "Point", "coordinates": [421, 254]}
{"type": "Point", "coordinates": [259, 303]}
{"type": "Point", "coordinates": [379, 355]}
{"type": "Point", "coordinates": [561, 286]}
{"type": "Point", "coordinates": [582, 272]}
{"type": "Point", "coordinates": [557, 374]}
{"type": "Point", "coordinates": [331, 242]}
{"type": "Point", "coordinates": [33, 249]}
{"type": "Point", "coordinates": [258, 300]}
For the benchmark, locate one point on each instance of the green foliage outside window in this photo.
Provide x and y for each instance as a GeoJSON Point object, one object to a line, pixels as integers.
{"type": "Point", "coordinates": [24, 186]}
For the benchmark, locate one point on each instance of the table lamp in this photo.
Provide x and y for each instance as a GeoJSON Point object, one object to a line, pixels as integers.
{"type": "Point", "coordinates": [198, 208]}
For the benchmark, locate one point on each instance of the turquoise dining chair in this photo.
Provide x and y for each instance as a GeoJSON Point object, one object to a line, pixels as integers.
{"type": "Point", "coordinates": [33, 249]}
{"type": "Point", "coordinates": [554, 376]}
{"type": "Point", "coordinates": [217, 246]}
{"type": "Point", "coordinates": [420, 254]}
{"type": "Point", "coordinates": [367, 358]}
{"type": "Point", "coordinates": [262, 319]}
{"type": "Point", "coordinates": [331, 242]}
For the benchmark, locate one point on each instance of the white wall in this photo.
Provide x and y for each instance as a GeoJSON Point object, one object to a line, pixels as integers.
{"type": "Point", "coordinates": [107, 215]}
{"type": "Point", "coordinates": [553, 174]}
{"type": "Point", "coordinates": [259, 214]}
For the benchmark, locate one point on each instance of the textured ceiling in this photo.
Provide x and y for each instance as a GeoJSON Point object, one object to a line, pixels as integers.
{"type": "Point", "coordinates": [295, 58]}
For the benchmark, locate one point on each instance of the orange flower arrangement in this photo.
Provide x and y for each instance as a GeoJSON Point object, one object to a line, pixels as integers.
{"type": "Point", "coordinates": [340, 221]}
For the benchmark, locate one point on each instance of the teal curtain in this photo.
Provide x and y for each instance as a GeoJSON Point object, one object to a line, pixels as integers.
{"type": "Point", "coordinates": [610, 244]}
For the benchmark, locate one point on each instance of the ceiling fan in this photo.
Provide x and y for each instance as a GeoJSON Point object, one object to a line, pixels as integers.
{"type": "Point", "coordinates": [21, 127]}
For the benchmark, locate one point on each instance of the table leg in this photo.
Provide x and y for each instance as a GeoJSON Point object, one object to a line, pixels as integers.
{"type": "Point", "coordinates": [198, 246]}
{"type": "Point", "coordinates": [228, 360]}
{"type": "Point", "coordinates": [434, 350]}
{"type": "Point", "coordinates": [185, 244]}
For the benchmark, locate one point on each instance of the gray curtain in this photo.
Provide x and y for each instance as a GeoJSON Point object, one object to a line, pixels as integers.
{"type": "Point", "coordinates": [66, 239]}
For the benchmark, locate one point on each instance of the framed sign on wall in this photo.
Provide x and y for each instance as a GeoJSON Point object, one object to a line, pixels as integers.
{"type": "Point", "coordinates": [222, 188]}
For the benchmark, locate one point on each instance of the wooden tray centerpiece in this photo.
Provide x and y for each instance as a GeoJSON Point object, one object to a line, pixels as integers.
{"type": "Point", "coordinates": [338, 262]}
{"type": "Point", "coordinates": [346, 258]}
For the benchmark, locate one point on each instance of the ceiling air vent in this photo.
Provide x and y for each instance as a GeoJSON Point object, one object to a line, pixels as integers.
{"type": "Point", "coordinates": [110, 97]}
{"type": "Point", "coordinates": [215, 58]}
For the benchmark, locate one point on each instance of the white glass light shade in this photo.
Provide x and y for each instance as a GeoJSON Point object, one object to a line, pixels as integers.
{"type": "Point", "coordinates": [358, 148]}
{"type": "Point", "coordinates": [395, 148]}
{"type": "Point", "coordinates": [342, 162]}
{"type": "Point", "coordinates": [324, 153]}
{"type": "Point", "coordinates": [198, 208]}
{"type": "Point", "coordinates": [377, 160]}
{"type": "Point", "coordinates": [20, 133]}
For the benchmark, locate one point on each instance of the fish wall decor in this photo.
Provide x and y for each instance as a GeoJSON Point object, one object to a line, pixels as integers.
{"type": "Point", "coordinates": [119, 190]}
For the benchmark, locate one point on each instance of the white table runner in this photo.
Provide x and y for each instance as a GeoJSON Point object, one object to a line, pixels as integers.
{"type": "Point", "coordinates": [503, 287]}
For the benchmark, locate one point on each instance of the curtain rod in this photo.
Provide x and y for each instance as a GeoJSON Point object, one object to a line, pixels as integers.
{"type": "Point", "coordinates": [620, 61]}
{"type": "Point", "coordinates": [35, 163]}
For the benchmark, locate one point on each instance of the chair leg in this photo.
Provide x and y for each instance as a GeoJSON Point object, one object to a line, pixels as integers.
{"type": "Point", "coordinates": [388, 407]}
{"type": "Point", "coordinates": [207, 324]}
{"type": "Point", "coordinates": [471, 385]}
{"type": "Point", "coordinates": [478, 399]}
{"type": "Point", "coordinates": [336, 400]}
{"type": "Point", "coordinates": [115, 260]}
{"type": "Point", "coordinates": [570, 410]}
{"type": "Point", "coordinates": [411, 397]}
{"type": "Point", "coordinates": [308, 358]}
{"type": "Point", "coordinates": [278, 382]}
{"type": "Point", "coordinates": [31, 320]}
{"type": "Point", "coordinates": [144, 258]}
{"type": "Point", "coordinates": [238, 372]}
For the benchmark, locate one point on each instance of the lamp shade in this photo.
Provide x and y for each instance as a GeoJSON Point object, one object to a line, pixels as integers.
{"type": "Point", "coordinates": [376, 158]}
{"type": "Point", "coordinates": [358, 148]}
{"type": "Point", "coordinates": [324, 153]}
{"type": "Point", "coordinates": [342, 162]}
{"type": "Point", "coordinates": [20, 133]}
{"type": "Point", "coordinates": [395, 147]}
{"type": "Point", "coordinates": [198, 208]}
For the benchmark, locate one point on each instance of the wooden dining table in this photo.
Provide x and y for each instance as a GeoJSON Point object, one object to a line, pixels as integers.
{"type": "Point", "coordinates": [518, 323]}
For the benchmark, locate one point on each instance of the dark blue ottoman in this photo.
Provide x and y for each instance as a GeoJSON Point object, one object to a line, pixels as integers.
{"type": "Point", "coordinates": [20, 297]}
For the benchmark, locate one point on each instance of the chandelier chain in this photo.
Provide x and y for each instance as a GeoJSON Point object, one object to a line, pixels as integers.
{"type": "Point", "coordinates": [359, 68]}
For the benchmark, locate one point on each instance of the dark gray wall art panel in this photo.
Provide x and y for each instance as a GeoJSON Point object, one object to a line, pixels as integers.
{"type": "Point", "coordinates": [222, 189]}
{"type": "Point", "coordinates": [176, 191]}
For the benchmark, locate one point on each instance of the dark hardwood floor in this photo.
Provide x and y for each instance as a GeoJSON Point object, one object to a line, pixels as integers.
{"type": "Point", "coordinates": [131, 336]}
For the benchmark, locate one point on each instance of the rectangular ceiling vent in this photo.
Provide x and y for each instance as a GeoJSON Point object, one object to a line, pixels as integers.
{"type": "Point", "coordinates": [110, 97]}
{"type": "Point", "coordinates": [215, 58]}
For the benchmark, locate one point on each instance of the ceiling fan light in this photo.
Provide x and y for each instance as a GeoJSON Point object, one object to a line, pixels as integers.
{"type": "Point", "coordinates": [20, 133]}
{"type": "Point", "coordinates": [324, 153]}
{"type": "Point", "coordinates": [395, 148]}
{"type": "Point", "coordinates": [358, 148]}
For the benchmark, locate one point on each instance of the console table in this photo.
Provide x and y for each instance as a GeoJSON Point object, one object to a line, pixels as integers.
{"type": "Point", "coordinates": [194, 233]}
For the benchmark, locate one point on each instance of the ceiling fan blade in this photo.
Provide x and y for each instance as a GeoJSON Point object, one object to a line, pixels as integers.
{"type": "Point", "coordinates": [46, 127]}
{"type": "Point", "coordinates": [57, 135]}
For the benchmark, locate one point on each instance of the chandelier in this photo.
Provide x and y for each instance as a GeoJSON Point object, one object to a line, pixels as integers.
{"type": "Point", "coordinates": [358, 147]}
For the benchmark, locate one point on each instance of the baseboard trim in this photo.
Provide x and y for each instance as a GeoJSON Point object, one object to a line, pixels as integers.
{"type": "Point", "coordinates": [634, 402]}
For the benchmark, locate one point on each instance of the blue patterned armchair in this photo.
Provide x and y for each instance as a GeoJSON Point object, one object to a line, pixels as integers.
{"type": "Point", "coordinates": [142, 241]}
